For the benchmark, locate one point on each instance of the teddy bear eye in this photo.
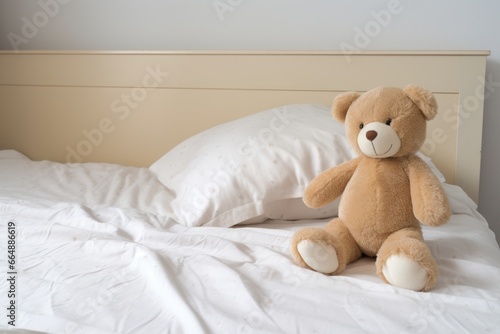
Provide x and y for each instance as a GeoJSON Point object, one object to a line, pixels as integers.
{"type": "Point", "coordinates": [361, 125]}
{"type": "Point", "coordinates": [389, 121]}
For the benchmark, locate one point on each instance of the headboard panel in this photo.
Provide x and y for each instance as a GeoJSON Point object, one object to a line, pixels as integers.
{"type": "Point", "coordinates": [131, 107]}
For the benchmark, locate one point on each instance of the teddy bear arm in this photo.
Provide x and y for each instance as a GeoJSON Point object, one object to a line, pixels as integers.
{"type": "Point", "coordinates": [430, 203]}
{"type": "Point", "coordinates": [329, 185]}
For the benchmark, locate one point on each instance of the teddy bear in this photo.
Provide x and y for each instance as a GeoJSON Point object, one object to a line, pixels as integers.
{"type": "Point", "coordinates": [385, 192]}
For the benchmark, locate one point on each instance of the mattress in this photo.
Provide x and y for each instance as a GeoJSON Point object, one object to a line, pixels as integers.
{"type": "Point", "coordinates": [97, 251]}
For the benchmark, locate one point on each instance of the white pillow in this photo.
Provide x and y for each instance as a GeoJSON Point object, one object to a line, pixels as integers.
{"type": "Point", "coordinates": [253, 168]}
{"type": "Point", "coordinates": [93, 185]}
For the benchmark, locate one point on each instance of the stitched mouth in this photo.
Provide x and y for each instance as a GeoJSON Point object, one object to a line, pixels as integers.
{"type": "Point", "coordinates": [374, 150]}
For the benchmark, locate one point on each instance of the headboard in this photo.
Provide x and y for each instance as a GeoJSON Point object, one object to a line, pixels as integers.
{"type": "Point", "coordinates": [131, 107]}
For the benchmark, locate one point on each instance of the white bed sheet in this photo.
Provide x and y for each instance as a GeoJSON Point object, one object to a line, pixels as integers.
{"type": "Point", "coordinates": [97, 253]}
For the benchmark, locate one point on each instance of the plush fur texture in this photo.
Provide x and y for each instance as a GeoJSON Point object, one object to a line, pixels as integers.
{"type": "Point", "coordinates": [386, 192]}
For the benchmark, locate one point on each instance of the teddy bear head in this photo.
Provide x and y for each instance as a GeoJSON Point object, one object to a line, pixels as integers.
{"type": "Point", "coordinates": [386, 122]}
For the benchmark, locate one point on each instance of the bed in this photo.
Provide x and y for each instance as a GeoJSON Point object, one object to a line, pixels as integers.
{"type": "Point", "coordinates": [156, 192]}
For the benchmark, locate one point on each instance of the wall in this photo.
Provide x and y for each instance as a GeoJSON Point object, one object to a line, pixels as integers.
{"type": "Point", "coordinates": [274, 25]}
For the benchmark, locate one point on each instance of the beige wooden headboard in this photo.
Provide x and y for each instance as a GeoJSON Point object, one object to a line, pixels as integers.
{"type": "Point", "coordinates": [131, 107]}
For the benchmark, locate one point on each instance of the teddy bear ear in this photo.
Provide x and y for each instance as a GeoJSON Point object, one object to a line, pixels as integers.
{"type": "Point", "coordinates": [341, 104]}
{"type": "Point", "coordinates": [423, 99]}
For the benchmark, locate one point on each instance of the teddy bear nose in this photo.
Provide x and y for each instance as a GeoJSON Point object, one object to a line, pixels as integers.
{"type": "Point", "coordinates": [371, 135]}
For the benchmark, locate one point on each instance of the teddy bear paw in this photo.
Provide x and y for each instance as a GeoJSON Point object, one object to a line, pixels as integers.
{"type": "Point", "coordinates": [404, 272]}
{"type": "Point", "coordinates": [318, 256]}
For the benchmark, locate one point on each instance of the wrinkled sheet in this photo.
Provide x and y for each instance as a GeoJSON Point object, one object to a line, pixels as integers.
{"type": "Point", "coordinates": [98, 253]}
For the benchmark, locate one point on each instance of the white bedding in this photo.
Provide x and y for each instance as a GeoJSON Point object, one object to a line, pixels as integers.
{"type": "Point", "coordinates": [98, 253]}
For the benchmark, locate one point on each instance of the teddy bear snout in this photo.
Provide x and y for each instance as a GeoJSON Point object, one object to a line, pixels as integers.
{"type": "Point", "coordinates": [377, 140]}
{"type": "Point", "coordinates": [371, 135]}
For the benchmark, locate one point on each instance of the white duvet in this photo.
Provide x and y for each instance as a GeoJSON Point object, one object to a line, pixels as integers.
{"type": "Point", "coordinates": [97, 253]}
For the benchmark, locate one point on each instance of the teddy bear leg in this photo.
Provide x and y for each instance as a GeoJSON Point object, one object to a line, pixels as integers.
{"type": "Point", "coordinates": [326, 250]}
{"type": "Point", "coordinates": [404, 260]}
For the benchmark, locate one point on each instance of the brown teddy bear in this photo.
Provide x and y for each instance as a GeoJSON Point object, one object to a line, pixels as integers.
{"type": "Point", "coordinates": [387, 191]}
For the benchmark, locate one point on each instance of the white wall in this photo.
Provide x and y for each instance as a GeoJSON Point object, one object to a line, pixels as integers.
{"type": "Point", "coordinates": [272, 25]}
